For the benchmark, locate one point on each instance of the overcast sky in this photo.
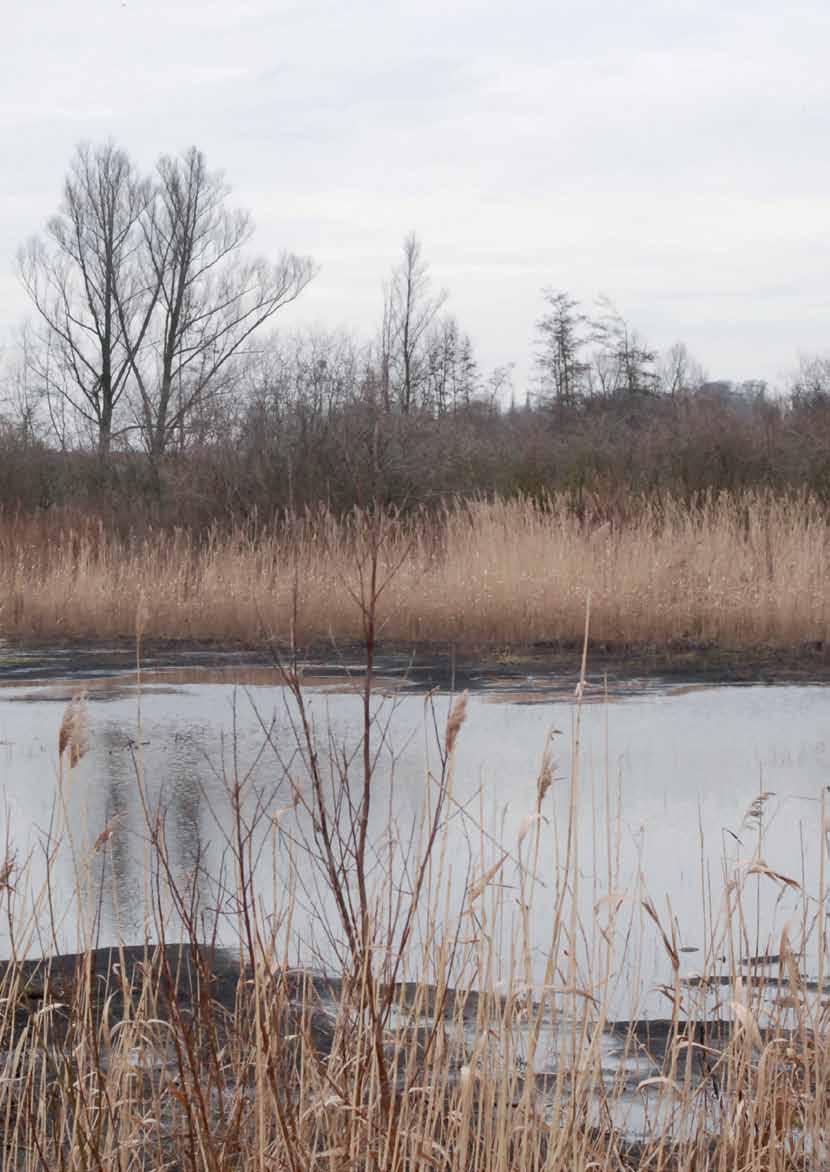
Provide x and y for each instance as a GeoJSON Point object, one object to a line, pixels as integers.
{"type": "Point", "coordinates": [672, 154]}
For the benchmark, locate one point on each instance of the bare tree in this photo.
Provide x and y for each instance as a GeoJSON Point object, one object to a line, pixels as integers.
{"type": "Point", "coordinates": [810, 386]}
{"type": "Point", "coordinates": [679, 371]}
{"type": "Point", "coordinates": [450, 377]}
{"type": "Point", "coordinates": [87, 285]}
{"type": "Point", "coordinates": [326, 369]}
{"type": "Point", "coordinates": [498, 392]}
{"type": "Point", "coordinates": [409, 311]}
{"type": "Point", "coordinates": [210, 296]}
{"type": "Point", "coordinates": [385, 346]}
{"type": "Point", "coordinates": [144, 293]}
{"type": "Point", "coordinates": [19, 397]}
{"type": "Point", "coordinates": [562, 333]}
{"type": "Point", "coordinates": [315, 370]}
{"type": "Point", "coordinates": [622, 363]}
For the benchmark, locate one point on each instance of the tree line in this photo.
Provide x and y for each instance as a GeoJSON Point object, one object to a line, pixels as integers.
{"type": "Point", "coordinates": [149, 366]}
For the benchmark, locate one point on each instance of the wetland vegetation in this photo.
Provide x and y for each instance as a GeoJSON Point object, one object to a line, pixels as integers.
{"type": "Point", "coordinates": [741, 574]}
{"type": "Point", "coordinates": [168, 466]}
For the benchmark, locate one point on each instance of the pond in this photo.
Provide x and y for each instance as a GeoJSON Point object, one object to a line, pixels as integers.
{"type": "Point", "coordinates": [666, 780]}
{"type": "Point", "coordinates": [683, 827]}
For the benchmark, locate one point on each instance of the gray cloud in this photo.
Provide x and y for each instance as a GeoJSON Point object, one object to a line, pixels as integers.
{"type": "Point", "coordinates": [669, 153]}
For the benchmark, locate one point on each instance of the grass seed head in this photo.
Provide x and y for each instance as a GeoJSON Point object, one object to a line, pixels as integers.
{"type": "Point", "coordinates": [545, 778]}
{"type": "Point", "coordinates": [455, 721]}
{"type": "Point", "coordinates": [73, 738]}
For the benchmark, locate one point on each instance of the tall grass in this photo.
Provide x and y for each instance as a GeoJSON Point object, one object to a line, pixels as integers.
{"type": "Point", "coordinates": [736, 572]}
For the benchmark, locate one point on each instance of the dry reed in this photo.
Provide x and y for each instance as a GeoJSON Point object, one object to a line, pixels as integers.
{"type": "Point", "coordinates": [735, 573]}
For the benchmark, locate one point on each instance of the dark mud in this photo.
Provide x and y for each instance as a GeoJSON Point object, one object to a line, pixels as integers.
{"type": "Point", "coordinates": [200, 980]}
{"type": "Point", "coordinates": [546, 671]}
{"type": "Point", "coordinates": [181, 980]}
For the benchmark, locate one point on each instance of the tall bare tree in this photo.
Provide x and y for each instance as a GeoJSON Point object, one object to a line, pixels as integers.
{"type": "Point", "coordinates": [410, 309]}
{"type": "Point", "coordinates": [87, 285]}
{"type": "Point", "coordinates": [623, 363]}
{"type": "Point", "coordinates": [145, 294]}
{"type": "Point", "coordinates": [451, 377]}
{"type": "Point", "coordinates": [679, 371]}
{"type": "Point", "coordinates": [211, 296]}
{"type": "Point", "coordinates": [562, 333]}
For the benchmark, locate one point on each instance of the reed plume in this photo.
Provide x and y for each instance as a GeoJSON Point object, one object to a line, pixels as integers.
{"type": "Point", "coordinates": [73, 738]}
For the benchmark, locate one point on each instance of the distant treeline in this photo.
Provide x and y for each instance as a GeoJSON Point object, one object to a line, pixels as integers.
{"type": "Point", "coordinates": [278, 456]}
{"type": "Point", "coordinates": [147, 386]}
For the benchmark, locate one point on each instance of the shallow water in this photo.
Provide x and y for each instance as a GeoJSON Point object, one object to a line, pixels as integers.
{"type": "Point", "coordinates": [666, 777]}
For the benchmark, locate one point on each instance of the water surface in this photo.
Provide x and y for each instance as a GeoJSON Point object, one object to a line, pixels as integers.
{"type": "Point", "coordinates": [666, 780]}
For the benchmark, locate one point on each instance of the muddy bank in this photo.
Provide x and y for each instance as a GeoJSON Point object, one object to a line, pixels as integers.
{"type": "Point", "coordinates": [211, 983]}
{"type": "Point", "coordinates": [548, 667]}
{"type": "Point", "coordinates": [188, 982]}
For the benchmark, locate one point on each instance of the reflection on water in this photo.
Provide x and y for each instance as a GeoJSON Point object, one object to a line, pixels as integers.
{"type": "Point", "coordinates": [176, 807]}
{"type": "Point", "coordinates": [120, 888]}
{"type": "Point", "coordinates": [665, 786]}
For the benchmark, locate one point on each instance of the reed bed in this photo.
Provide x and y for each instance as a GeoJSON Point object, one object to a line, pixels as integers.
{"type": "Point", "coordinates": [739, 573]}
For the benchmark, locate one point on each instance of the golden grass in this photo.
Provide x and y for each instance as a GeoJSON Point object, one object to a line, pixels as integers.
{"type": "Point", "coordinates": [739, 573]}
